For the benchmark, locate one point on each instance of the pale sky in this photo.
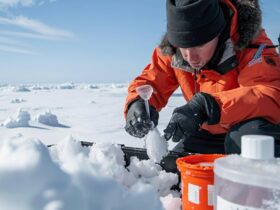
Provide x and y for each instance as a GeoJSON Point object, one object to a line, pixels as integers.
{"type": "Point", "coordinates": [47, 41]}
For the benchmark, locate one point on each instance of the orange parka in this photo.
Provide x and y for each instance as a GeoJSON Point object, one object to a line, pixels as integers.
{"type": "Point", "coordinates": [249, 90]}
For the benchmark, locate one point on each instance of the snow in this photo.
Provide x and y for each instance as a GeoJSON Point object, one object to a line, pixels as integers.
{"type": "Point", "coordinates": [21, 89]}
{"type": "Point", "coordinates": [66, 86]}
{"type": "Point", "coordinates": [48, 119]}
{"type": "Point", "coordinates": [21, 119]}
{"type": "Point", "coordinates": [29, 179]}
{"type": "Point", "coordinates": [88, 114]}
{"type": "Point", "coordinates": [156, 145]}
{"type": "Point", "coordinates": [67, 175]}
{"type": "Point", "coordinates": [170, 202]}
{"type": "Point", "coordinates": [149, 172]}
{"type": "Point", "coordinates": [92, 86]}
{"type": "Point", "coordinates": [38, 182]}
{"type": "Point", "coordinates": [17, 100]}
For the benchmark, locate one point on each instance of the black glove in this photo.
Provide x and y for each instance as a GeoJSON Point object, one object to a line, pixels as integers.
{"type": "Point", "coordinates": [187, 119]}
{"type": "Point", "coordinates": [138, 122]}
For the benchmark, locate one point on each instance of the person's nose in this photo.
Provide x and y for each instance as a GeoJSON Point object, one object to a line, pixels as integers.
{"type": "Point", "coordinates": [191, 55]}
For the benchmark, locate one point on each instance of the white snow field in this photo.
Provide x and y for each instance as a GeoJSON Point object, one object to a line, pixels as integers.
{"type": "Point", "coordinates": [68, 176]}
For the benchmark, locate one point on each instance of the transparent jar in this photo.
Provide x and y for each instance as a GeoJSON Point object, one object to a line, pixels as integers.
{"type": "Point", "coordinates": [250, 181]}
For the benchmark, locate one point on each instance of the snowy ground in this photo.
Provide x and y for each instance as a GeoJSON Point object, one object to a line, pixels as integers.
{"type": "Point", "coordinates": [87, 112]}
{"type": "Point", "coordinates": [69, 177]}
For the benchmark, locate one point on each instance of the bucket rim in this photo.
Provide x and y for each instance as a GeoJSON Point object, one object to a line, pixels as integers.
{"type": "Point", "coordinates": [190, 162]}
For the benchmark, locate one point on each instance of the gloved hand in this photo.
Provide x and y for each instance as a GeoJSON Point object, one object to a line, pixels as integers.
{"type": "Point", "coordinates": [187, 119]}
{"type": "Point", "coordinates": [138, 122]}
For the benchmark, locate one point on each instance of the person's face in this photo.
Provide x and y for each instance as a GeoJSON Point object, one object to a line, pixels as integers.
{"type": "Point", "coordinates": [199, 56]}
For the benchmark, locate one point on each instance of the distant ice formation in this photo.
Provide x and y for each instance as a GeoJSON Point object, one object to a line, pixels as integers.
{"type": "Point", "coordinates": [48, 119]}
{"type": "Point", "coordinates": [21, 119]}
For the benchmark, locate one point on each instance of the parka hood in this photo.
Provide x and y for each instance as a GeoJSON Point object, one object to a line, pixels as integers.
{"type": "Point", "coordinates": [248, 26]}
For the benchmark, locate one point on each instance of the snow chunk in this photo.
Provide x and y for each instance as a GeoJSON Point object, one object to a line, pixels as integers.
{"type": "Point", "coordinates": [115, 86]}
{"type": "Point", "coordinates": [156, 145]}
{"type": "Point", "coordinates": [21, 89]}
{"type": "Point", "coordinates": [29, 177]}
{"type": "Point", "coordinates": [149, 172]}
{"type": "Point", "coordinates": [36, 87]}
{"type": "Point", "coordinates": [17, 100]}
{"type": "Point", "coordinates": [91, 86]}
{"type": "Point", "coordinates": [102, 152]}
{"type": "Point", "coordinates": [48, 119]}
{"type": "Point", "coordinates": [109, 161]}
{"type": "Point", "coordinates": [68, 148]}
{"type": "Point", "coordinates": [67, 86]}
{"type": "Point", "coordinates": [171, 203]}
{"type": "Point", "coordinates": [101, 174]}
{"type": "Point", "coordinates": [144, 168]}
{"type": "Point", "coordinates": [21, 119]}
{"type": "Point", "coordinates": [41, 87]}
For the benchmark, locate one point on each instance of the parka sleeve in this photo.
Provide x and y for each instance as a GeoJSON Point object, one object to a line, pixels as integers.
{"type": "Point", "coordinates": [258, 94]}
{"type": "Point", "coordinates": [160, 75]}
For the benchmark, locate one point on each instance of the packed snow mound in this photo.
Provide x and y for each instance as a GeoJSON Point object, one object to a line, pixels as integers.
{"type": "Point", "coordinates": [67, 177]}
{"type": "Point", "coordinates": [48, 119]}
{"type": "Point", "coordinates": [17, 101]}
{"type": "Point", "coordinates": [114, 86]}
{"type": "Point", "coordinates": [21, 119]}
{"type": "Point", "coordinates": [67, 86]}
{"type": "Point", "coordinates": [35, 87]}
{"type": "Point", "coordinates": [30, 180]}
{"type": "Point", "coordinates": [171, 202]}
{"type": "Point", "coordinates": [21, 89]}
{"type": "Point", "coordinates": [149, 172]}
{"type": "Point", "coordinates": [91, 86]}
{"type": "Point", "coordinates": [107, 161]}
{"type": "Point", "coordinates": [39, 87]}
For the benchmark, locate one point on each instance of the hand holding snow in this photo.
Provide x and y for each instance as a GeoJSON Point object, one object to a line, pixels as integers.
{"type": "Point", "coordinates": [157, 146]}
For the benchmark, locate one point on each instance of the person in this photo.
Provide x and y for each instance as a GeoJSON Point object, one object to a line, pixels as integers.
{"type": "Point", "coordinates": [217, 52]}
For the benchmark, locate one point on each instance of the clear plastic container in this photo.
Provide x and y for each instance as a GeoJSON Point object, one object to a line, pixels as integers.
{"type": "Point", "coordinates": [250, 181]}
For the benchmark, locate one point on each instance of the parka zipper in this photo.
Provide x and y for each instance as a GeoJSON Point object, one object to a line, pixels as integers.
{"type": "Point", "coordinates": [196, 71]}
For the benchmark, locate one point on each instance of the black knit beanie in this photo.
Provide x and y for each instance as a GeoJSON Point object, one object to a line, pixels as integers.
{"type": "Point", "coordinates": [192, 23]}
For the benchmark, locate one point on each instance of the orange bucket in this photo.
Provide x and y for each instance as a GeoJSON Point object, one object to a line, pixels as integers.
{"type": "Point", "coordinates": [197, 179]}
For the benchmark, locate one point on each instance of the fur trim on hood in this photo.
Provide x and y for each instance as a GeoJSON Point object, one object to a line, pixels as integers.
{"type": "Point", "coordinates": [249, 25]}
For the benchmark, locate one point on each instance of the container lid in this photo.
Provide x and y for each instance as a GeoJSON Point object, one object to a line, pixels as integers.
{"type": "Point", "coordinates": [257, 147]}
